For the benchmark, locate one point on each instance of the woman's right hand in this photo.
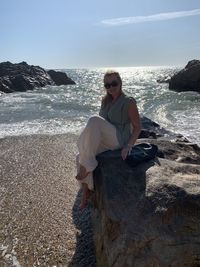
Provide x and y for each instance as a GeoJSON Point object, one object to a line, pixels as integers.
{"type": "Point", "coordinates": [124, 152]}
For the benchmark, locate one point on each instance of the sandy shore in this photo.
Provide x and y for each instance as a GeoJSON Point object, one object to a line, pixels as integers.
{"type": "Point", "coordinates": [40, 222]}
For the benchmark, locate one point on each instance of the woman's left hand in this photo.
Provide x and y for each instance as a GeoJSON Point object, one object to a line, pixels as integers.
{"type": "Point", "coordinates": [124, 152]}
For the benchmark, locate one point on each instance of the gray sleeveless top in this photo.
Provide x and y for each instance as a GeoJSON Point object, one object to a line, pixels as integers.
{"type": "Point", "coordinates": [117, 114]}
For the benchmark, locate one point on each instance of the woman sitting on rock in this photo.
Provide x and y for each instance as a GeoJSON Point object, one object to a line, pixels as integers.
{"type": "Point", "coordinates": [118, 126]}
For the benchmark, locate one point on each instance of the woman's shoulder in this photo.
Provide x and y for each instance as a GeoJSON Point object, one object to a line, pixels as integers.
{"type": "Point", "coordinates": [130, 99]}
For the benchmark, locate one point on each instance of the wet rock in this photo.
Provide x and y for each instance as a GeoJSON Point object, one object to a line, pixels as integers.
{"type": "Point", "coordinates": [147, 134]}
{"type": "Point", "coordinates": [22, 77]}
{"type": "Point", "coordinates": [60, 78]}
{"type": "Point", "coordinates": [151, 129]}
{"type": "Point", "coordinates": [188, 79]}
{"type": "Point", "coordinates": [164, 80]}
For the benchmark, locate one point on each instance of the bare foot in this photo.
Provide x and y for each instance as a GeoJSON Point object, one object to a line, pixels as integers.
{"type": "Point", "coordinates": [83, 205]}
{"type": "Point", "coordinates": [89, 193]}
{"type": "Point", "coordinates": [82, 173]}
{"type": "Point", "coordinates": [85, 196]}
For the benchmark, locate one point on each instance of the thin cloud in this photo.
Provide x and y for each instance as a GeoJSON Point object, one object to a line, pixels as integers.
{"type": "Point", "coordinates": [155, 17]}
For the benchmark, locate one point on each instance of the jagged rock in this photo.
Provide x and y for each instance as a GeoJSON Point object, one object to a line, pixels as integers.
{"type": "Point", "coordinates": [148, 123]}
{"type": "Point", "coordinates": [164, 80]}
{"type": "Point", "coordinates": [178, 151]}
{"type": "Point", "coordinates": [147, 134]}
{"type": "Point", "coordinates": [22, 77]}
{"type": "Point", "coordinates": [187, 79]}
{"type": "Point", "coordinates": [151, 129]}
{"type": "Point", "coordinates": [60, 78]}
{"type": "Point", "coordinates": [192, 63]}
{"type": "Point", "coordinates": [148, 215]}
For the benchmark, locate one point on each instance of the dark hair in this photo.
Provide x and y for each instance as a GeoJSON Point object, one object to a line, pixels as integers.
{"type": "Point", "coordinates": [108, 98]}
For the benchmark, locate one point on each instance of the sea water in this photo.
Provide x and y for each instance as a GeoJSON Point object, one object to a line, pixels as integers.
{"type": "Point", "coordinates": [66, 109]}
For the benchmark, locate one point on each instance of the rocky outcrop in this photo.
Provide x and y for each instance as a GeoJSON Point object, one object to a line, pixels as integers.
{"type": "Point", "coordinates": [149, 215]}
{"type": "Point", "coordinates": [60, 78]}
{"type": "Point", "coordinates": [164, 80]}
{"type": "Point", "coordinates": [187, 79]}
{"type": "Point", "coordinates": [22, 77]}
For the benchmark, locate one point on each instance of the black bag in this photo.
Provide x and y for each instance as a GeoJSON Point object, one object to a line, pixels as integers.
{"type": "Point", "coordinates": [141, 153]}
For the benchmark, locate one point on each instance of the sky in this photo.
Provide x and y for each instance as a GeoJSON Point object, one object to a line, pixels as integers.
{"type": "Point", "coordinates": [100, 33]}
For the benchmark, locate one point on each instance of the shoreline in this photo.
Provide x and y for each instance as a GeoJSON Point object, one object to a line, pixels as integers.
{"type": "Point", "coordinates": [41, 224]}
{"type": "Point", "coordinates": [39, 202]}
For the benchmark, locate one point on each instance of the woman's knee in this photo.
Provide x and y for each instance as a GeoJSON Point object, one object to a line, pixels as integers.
{"type": "Point", "coordinates": [94, 120]}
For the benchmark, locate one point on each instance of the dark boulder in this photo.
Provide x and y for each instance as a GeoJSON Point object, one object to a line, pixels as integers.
{"type": "Point", "coordinates": [164, 80]}
{"type": "Point", "coordinates": [60, 78]}
{"type": "Point", "coordinates": [151, 129]}
{"type": "Point", "coordinates": [187, 79]}
{"type": "Point", "coordinates": [22, 77]}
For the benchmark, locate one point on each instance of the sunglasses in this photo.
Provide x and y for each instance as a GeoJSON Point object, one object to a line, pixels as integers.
{"type": "Point", "coordinates": [112, 84]}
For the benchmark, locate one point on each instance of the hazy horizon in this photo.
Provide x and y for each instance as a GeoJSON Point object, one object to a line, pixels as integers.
{"type": "Point", "coordinates": [104, 67]}
{"type": "Point", "coordinates": [100, 34]}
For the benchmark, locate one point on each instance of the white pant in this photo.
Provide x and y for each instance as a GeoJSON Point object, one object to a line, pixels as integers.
{"type": "Point", "coordinates": [98, 136]}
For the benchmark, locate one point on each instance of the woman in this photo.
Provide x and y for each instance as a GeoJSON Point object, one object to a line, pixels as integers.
{"type": "Point", "coordinates": [118, 126]}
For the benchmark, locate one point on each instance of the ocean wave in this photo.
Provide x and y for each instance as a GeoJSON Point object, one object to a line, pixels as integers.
{"type": "Point", "coordinates": [55, 109]}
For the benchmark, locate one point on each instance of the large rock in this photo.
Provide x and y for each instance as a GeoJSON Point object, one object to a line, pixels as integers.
{"type": "Point", "coordinates": [149, 215]}
{"type": "Point", "coordinates": [151, 129]}
{"type": "Point", "coordinates": [22, 77]}
{"type": "Point", "coordinates": [60, 78]}
{"type": "Point", "coordinates": [187, 79]}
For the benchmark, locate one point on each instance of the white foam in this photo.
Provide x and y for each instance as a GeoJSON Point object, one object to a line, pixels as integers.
{"type": "Point", "coordinates": [63, 109]}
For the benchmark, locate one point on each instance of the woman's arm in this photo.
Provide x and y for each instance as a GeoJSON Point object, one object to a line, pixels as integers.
{"type": "Point", "coordinates": [135, 122]}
